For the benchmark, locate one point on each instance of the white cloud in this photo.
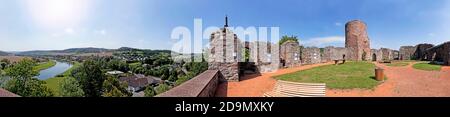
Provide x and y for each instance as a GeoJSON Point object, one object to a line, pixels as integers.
{"type": "Point", "coordinates": [338, 24]}
{"type": "Point", "coordinates": [323, 41]}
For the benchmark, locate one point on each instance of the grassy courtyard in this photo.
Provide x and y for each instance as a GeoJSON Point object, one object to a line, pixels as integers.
{"type": "Point", "coordinates": [345, 76]}
{"type": "Point", "coordinates": [427, 67]}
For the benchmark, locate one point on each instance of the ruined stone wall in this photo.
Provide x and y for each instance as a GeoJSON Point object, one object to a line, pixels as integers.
{"type": "Point", "coordinates": [290, 54]}
{"type": "Point", "coordinates": [376, 55]}
{"type": "Point", "coordinates": [407, 52]}
{"type": "Point", "coordinates": [267, 56]}
{"type": "Point", "coordinates": [439, 54]}
{"type": "Point", "coordinates": [395, 55]}
{"type": "Point", "coordinates": [224, 54]}
{"type": "Point", "coordinates": [311, 55]}
{"type": "Point", "coordinates": [386, 54]}
{"type": "Point", "coordinates": [334, 53]}
{"type": "Point", "coordinates": [420, 52]}
{"type": "Point", "coordinates": [357, 41]}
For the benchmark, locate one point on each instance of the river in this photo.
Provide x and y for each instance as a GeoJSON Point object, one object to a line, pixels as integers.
{"type": "Point", "coordinates": [51, 72]}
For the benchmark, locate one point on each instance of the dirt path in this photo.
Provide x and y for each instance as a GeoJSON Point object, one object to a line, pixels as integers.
{"type": "Point", "coordinates": [404, 81]}
{"type": "Point", "coordinates": [256, 85]}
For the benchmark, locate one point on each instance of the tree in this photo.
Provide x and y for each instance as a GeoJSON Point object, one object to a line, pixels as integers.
{"type": "Point", "coordinates": [70, 88]}
{"type": "Point", "coordinates": [161, 88]}
{"type": "Point", "coordinates": [287, 38]}
{"type": "Point", "coordinates": [113, 88]}
{"type": "Point", "coordinates": [149, 91]}
{"type": "Point", "coordinates": [90, 77]}
{"type": "Point", "coordinates": [22, 82]}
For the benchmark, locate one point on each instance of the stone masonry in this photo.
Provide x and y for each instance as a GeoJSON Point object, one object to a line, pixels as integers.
{"type": "Point", "coordinates": [419, 54]}
{"type": "Point", "coordinates": [224, 55]}
{"type": "Point", "coordinates": [311, 55]}
{"type": "Point", "coordinates": [334, 53]}
{"type": "Point", "coordinates": [290, 54]}
{"type": "Point", "coordinates": [407, 52]}
{"type": "Point", "coordinates": [357, 41]}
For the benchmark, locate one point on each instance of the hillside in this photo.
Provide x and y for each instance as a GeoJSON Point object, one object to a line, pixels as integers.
{"type": "Point", "coordinates": [4, 53]}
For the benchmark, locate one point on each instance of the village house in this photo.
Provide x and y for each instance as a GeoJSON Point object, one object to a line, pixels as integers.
{"type": "Point", "coordinates": [138, 82]}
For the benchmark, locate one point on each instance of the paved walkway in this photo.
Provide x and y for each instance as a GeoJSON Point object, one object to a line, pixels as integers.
{"type": "Point", "coordinates": [256, 85]}
{"type": "Point", "coordinates": [404, 82]}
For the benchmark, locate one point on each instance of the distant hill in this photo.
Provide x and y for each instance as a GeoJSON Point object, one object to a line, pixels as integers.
{"type": "Point", "coordinates": [4, 53]}
{"type": "Point", "coordinates": [78, 51]}
{"type": "Point", "coordinates": [70, 51]}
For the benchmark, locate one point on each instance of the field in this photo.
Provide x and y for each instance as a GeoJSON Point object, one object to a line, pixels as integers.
{"type": "Point", "coordinates": [345, 76]}
{"type": "Point", "coordinates": [12, 58]}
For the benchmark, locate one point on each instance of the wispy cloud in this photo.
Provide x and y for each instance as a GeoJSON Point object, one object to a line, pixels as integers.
{"type": "Point", "coordinates": [338, 24]}
{"type": "Point", "coordinates": [324, 41]}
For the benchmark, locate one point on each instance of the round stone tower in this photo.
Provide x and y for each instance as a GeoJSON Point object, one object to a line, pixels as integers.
{"type": "Point", "coordinates": [357, 41]}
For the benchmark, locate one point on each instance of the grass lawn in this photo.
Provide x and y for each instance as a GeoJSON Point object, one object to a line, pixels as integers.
{"type": "Point", "coordinates": [397, 64]}
{"type": "Point", "coordinates": [53, 84]}
{"type": "Point", "coordinates": [43, 66]}
{"type": "Point", "coordinates": [427, 67]}
{"type": "Point", "coordinates": [345, 76]}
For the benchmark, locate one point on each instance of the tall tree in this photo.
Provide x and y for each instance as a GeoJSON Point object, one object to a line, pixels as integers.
{"type": "Point", "coordinates": [90, 77]}
{"type": "Point", "coordinates": [23, 83]}
{"type": "Point", "coordinates": [113, 88]}
{"type": "Point", "coordinates": [288, 38]}
{"type": "Point", "coordinates": [70, 88]}
{"type": "Point", "coordinates": [149, 91]}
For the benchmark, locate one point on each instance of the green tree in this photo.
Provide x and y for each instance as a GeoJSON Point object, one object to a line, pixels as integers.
{"type": "Point", "coordinates": [22, 82]}
{"type": "Point", "coordinates": [113, 88]}
{"type": "Point", "coordinates": [70, 88]}
{"type": "Point", "coordinates": [162, 88]}
{"type": "Point", "coordinates": [288, 38]}
{"type": "Point", "coordinates": [149, 91]}
{"type": "Point", "coordinates": [90, 77]}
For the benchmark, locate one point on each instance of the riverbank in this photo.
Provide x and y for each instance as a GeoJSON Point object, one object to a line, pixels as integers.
{"type": "Point", "coordinates": [53, 83]}
{"type": "Point", "coordinates": [44, 66]}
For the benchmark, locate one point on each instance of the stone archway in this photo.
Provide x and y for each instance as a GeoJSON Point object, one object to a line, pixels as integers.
{"type": "Point", "coordinates": [374, 57]}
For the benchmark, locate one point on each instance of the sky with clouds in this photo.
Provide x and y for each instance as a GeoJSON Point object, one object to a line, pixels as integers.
{"type": "Point", "coordinates": [62, 24]}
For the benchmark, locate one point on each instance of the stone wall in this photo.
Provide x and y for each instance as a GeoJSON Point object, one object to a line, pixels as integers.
{"type": "Point", "coordinates": [420, 52]}
{"type": "Point", "coordinates": [357, 41]}
{"type": "Point", "coordinates": [225, 53]}
{"type": "Point", "coordinates": [386, 54]}
{"type": "Point", "coordinates": [203, 85]}
{"type": "Point", "coordinates": [439, 54]}
{"type": "Point", "coordinates": [334, 53]}
{"type": "Point", "coordinates": [311, 55]}
{"type": "Point", "coordinates": [407, 52]}
{"type": "Point", "coordinates": [395, 55]}
{"type": "Point", "coordinates": [266, 56]}
{"type": "Point", "coordinates": [290, 54]}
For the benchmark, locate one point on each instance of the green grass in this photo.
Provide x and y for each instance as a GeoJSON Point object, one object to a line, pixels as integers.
{"type": "Point", "coordinates": [427, 67]}
{"type": "Point", "coordinates": [397, 64]}
{"type": "Point", "coordinates": [345, 76]}
{"type": "Point", "coordinates": [43, 66]}
{"type": "Point", "coordinates": [53, 84]}
{"type": "Point", "coordinates": [69, 71]}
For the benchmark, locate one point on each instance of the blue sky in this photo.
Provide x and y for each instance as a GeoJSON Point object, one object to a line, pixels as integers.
{"type": "Point", "coordinates": [62, 24]}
